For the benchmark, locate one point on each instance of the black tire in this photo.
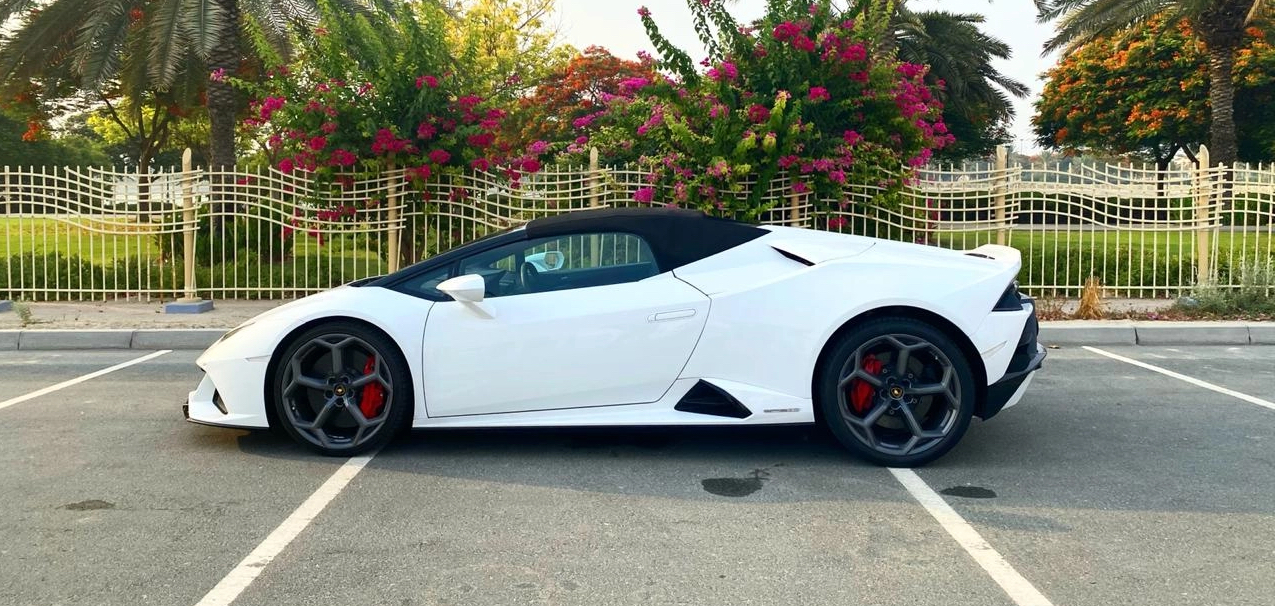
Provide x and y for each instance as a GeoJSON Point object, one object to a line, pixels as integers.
{"type": "Point", "coordinates": [908, 417]}
{"type": "Point", "coordinates": [333, 360]}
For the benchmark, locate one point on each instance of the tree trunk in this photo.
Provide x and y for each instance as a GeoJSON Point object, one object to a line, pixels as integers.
{"type": "Point", "coordinates": [223, 105]}
{"type": "Point", "coordinates": [1223, 148]}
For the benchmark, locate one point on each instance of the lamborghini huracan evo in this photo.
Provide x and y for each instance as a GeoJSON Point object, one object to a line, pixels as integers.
{"type": "Point", "coordinates": [642, 317]}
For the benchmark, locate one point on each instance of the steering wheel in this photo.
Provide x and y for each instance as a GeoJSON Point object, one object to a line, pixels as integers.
{"type": "Point", "coordinates": [530, 277]}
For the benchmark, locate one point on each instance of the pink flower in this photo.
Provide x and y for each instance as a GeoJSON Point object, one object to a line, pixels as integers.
{"type": "Point", "coordinates": [429, 81]}
{"type": "Point", "coordinates": [530, 165]}
{"type": "Point", "coordinates": [286, 166]}
{"type": "Point", "coordinates": [851, 137]}
{"type": "Point", "coordinates": [581, 140]}
{"type": "Point", "coordinates": [803, 43]}
{"type": "Point", "coordinates": [426, 131]}
{"type": "Point", "coordinates": [726, 71]}
{"type": "Point", "coordinates": [837, 176]}
{"type": "Point", "coordinates": [644, 12]}
{"type": "Point", "coordinates": [630, 85]}
{"type": "Point", "coordinates": [644, 195]}
{"type": "Point", "coordinates": [328, 127]}
{"type": "Point", "coordinates": [786, 30]}
{"type": "Point", "coordinates": [481, 140]}
{"type": "Point", "coordinates": [439, 156]}
{"type": "Point", "coordinates": [817, 94]}
{"type": "Point", "coordinates": [583, 121]}
{"type": "Point", "coordinates": [537, 148]}
{"type": "Point", "coordinates": [788, 161]}
{"type": "Point", "coordinates": [800, 187]}
{"type": "Point", "coordinates": [758, 113]}
{"type": "Point", "coordinates": [218, 75]}
{"type": "Point", "coordinates": [318, 143]}
{"type": "Point", "coordinates": [479, 164]}
{"type": "Point", "coordinates": [836, 223]}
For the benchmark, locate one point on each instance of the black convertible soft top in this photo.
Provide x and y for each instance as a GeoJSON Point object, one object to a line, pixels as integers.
{"type": "Point", "coordinates": [676, 236]}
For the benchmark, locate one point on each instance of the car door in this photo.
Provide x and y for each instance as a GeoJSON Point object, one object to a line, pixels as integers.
{"type": "Point", "coordinates": [592, 322]}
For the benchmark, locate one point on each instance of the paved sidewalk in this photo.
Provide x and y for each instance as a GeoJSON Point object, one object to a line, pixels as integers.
{"type": "Point", "coordinates": [144, 325]}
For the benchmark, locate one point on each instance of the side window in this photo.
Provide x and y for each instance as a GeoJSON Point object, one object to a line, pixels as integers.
{"type": "Point", "coordinates": [426, 284]}
{"type": "Point", "coordinates": [562, 263]}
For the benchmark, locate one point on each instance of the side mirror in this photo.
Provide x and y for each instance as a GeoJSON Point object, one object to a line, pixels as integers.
{"type": "Point", "coordinates": [468, 288]}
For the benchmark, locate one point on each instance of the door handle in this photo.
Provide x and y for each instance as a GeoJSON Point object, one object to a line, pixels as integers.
{"type": "Point", "coordinates": [670, 315]}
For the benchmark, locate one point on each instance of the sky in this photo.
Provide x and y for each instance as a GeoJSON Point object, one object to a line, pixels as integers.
{"type": "Point", "coordinates": [615, 25]}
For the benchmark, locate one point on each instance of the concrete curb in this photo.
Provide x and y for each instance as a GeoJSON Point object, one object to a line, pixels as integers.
{"type": "Point", "coordinates": [1116, 332]}
{"type": "Point", "coordinates": [124, 338]}
{"type": "Point", "coordinates": [1065, 333]}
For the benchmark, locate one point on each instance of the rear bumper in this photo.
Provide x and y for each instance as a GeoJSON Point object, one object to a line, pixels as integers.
{"type": "Point", "coordinates": [1028, 356]}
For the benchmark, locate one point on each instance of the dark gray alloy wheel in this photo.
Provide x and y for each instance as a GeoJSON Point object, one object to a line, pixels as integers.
{"type": "Point", "coordinates": [341, 389]}
{"type": "Point", "coordinates": [897, 392]}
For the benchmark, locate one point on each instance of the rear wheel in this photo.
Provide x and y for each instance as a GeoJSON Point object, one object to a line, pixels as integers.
{"type": "Point", "coordinates": [342, 389]}
{"type": "Point", "coordinates": [897, 392]}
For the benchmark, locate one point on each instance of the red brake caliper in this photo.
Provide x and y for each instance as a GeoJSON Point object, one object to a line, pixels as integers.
{"type": "Point", "coordinates": [860, 390]}
{"type": "Point", "coordinates": [373, 393]}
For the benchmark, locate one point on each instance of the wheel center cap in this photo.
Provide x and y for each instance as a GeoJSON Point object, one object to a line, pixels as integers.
{"type": "Point", "coordinates": [339, 390]}
{"type": "Point", "coordinates": [896, 392]}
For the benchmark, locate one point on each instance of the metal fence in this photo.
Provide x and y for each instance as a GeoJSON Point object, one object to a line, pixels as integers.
{"type": "Point", "coordinates": [77, 234]}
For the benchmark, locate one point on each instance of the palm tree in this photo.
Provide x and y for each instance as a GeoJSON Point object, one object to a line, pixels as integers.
{"type": "Point", "coordinates": [154, 45]}
{"type": "Point", "coordinates": [976, 96]}
{"type": "Point", "coordinates": [1220, 24]}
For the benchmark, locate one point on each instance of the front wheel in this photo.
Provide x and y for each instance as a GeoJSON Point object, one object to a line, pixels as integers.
{"type": "Point", "coordinates": [897, 392]}
{"type": "Point", "coordinates": [342, 389]}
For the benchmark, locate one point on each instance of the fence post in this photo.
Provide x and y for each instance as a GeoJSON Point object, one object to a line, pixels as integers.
{"type": "Point", "coordinates": [794, 211]}
{"type": "Point", "coordinates": [594, 182]}
{"type": "Point", "coordinates": [189, 303]}
{"type": "Point", "coordinates": [189, 225]}
{"type": "Point", "coordinates": [1203, 210]}
{"type": "Point", "coordinates": [392, 218]}
{"type": "Point", "coordinates": [998, 193]}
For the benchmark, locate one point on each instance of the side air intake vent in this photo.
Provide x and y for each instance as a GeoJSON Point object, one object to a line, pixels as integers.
{"type": "Point", "coordinates": [708, 399]}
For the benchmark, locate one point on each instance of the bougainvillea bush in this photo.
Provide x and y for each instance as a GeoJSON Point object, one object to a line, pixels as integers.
{"type": "Point", "coordinates": [805, 93]}
{"type": "Point", "coordinates": [377, 91]}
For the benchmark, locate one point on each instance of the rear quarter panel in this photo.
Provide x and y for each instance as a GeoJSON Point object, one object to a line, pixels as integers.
{"type": "Point", "coordinates": [771, 316]}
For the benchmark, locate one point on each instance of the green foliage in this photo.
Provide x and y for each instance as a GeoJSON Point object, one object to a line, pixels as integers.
{"type": "Point", "coordinates": [977, 108]}
{"type": "Point", "coordinates": [806, 94]}
{"type": "Point", "coordinates": [253, 238]}
{"type": "Point", "coordinates": [71, 149]}
{"type": "Point", "coordinates": [1145, 91]}
{"type": "Point", "coordinates": [506, 47]}
{"type": "Point", "coordinates": [1255, 295]}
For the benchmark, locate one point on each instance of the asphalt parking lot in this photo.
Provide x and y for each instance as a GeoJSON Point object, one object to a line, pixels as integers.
{"type": "Point", "coordinates": [1109, 484]}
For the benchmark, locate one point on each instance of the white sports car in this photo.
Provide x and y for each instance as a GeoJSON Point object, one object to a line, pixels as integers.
{"type": "Point", "coordinates": [642, 317]}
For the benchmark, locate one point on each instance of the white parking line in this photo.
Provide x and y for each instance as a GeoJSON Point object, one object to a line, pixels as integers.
{"type": "Point", "coordinates": [250, 568]}
{"type": "Point", "coordinates": [1181, 377]}
{"type": "Point", "coordinates": [1020, 590]}
{"type": "Point", "coordinates": [93, 375]}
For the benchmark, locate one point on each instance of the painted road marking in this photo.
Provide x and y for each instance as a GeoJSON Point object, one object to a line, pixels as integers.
{"type": "Point", "coordinates": [1020, 590]}
{"type": "Point", "coordinates": [229, 588]}
{"type": "Point", "coordinates": [93, 375]}
{"type": "Point", "coordinates": [1181, 377]}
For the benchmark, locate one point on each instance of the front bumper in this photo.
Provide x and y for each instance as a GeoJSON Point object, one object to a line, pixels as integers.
{"type": "Point", "coordinates": [204, 405]}
{"type": "Point", "coordinates": [1028, 356]}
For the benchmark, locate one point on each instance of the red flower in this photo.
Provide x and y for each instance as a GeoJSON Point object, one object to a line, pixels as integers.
{"type": "Point", "coordinates": [439, 156]}
{"type": "Point", "coordinates": [531, 165]}
{"type": "Point", "coordinates": [644, 195]}
{"type": "Point", "coordinates": [318, 143]}
{"type": "Point", "coordinates": [479, 164]}
{"type": "Point", "coordinates": [429, 81]}
{"type": "Point", "coordinates": [426, 131]}
{"type": "Point", "coordinates": [286, 166]}
{"type": "Point", "coordinates": [758, 113]}
{"type": "Point", "coordinates": [817, 94]}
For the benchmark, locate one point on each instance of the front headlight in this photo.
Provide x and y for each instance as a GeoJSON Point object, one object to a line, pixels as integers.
{"type": "Point", "coordinates": [234, 330]}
